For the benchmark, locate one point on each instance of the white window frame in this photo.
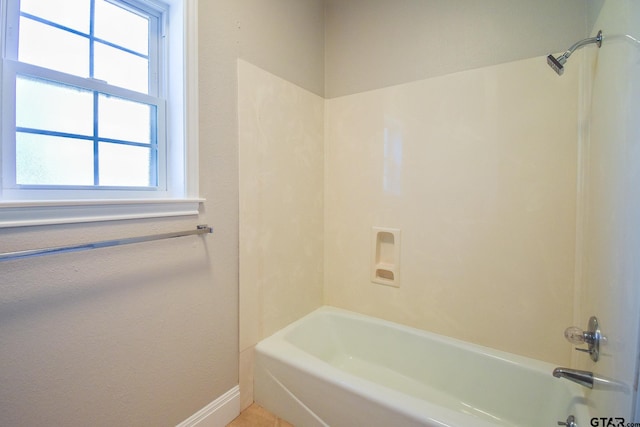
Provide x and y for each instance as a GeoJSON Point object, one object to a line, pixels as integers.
{"type": "Point", "coordinates": [24, 207]}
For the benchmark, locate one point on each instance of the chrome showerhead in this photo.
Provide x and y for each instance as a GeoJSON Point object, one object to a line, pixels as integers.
{"type": "Point", "coordinates": [558, 63]}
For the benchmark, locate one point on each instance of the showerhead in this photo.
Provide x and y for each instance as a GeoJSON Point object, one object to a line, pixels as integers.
{"type": "Point", "coordinates": [558, 63]}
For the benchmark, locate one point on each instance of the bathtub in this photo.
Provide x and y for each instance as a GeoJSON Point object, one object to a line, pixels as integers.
{"type": "Point", "coordinates": [338, 368]}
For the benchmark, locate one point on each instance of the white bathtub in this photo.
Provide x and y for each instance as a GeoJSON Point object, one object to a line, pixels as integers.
{"type": "Point", "coordinates": [338, 368]}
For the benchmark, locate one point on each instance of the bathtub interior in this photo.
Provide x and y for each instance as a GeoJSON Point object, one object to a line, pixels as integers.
{"type": "Point", "coordinates": [496, 387]}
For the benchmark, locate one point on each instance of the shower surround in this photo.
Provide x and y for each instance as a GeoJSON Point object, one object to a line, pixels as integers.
{"type": "Point", "coordinates": [476, 168]}
{"type": "Point", "coordinates": [486, 169]}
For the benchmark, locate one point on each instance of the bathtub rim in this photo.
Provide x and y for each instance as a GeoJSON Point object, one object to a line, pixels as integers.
{"type": "Point", "coordinates": [300, 359]}
{"type": "Point", "coordinates": [511, 358]}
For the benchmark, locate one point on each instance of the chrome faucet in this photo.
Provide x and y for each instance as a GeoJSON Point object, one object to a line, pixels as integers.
{"type": "Point", "coordinates": [589, 380]}
{"type": "Point", "coordinates": [584, 378]}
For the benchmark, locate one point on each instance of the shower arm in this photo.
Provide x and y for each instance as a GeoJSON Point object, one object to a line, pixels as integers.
{"type": "Point", "coordinates": [597, 40]}
{"type": "Point", "coordinates": [557, 64]}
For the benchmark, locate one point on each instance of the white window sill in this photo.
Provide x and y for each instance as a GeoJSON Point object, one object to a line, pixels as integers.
{"type": "Point", "coordinates": [26, 213]}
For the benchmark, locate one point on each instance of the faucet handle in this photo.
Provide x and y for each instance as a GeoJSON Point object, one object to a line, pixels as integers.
{"type": "Point", "coordinates": [591, 337]}
{"type": "Point", "coordinates": [575, 335]}
{"type": "Point", "coordinates": [571, 422]}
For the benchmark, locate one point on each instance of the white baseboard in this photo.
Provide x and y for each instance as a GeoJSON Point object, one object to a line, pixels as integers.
{"type": "Point", "coordinates": [218, 413]}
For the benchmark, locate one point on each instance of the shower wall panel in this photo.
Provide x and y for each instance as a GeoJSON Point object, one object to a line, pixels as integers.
{"type": "Point", "coordinates": [478, 171]}
{"type": "Point", "coordinates": [281, 205]}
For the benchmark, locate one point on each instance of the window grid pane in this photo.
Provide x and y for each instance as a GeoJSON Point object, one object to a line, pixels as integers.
{"type": "Point", "coordinates": [74, 14]}
{"type": "Point", "coordinates": [56, 46]}
{"type": "Point", "coordinates": [120, 68]}
{"type": "Point", "coordinates": [125, 128]}
{"type": "Point", "coordinates": [53, 160]}
{"type": "Point", "coordinates": [48, 106]}
{"type": "Point", "coordinates": [125, 165]}
{"type": "Point", "coordinates": [121, 27]}
{"type": "Point", "coordinates": [53, 47]}
{"type": "Point", "coordinates": [115, 145]}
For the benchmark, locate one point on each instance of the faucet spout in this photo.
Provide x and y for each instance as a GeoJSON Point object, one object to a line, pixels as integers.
{"type": "Point", "coordinates": [584, 378]}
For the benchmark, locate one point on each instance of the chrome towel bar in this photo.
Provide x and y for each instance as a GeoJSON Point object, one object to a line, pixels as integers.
{"type": "Point", "coordinates": [201, 229]}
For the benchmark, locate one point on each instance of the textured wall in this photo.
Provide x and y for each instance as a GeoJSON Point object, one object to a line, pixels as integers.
{"type": "Point", "coordinates": [376, 43]}
{"type": "Point", "coordinates": [148, 334]}
{"type": "Point", "coordinates": [284, 37]}
{"type": "Point", "coordinates": [112, 336]}
{"type": "Point", "coordinates": [137, 335]}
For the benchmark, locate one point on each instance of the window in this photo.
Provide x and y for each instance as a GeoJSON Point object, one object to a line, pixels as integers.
{"type": "Point", "coordinates": [95, 111]}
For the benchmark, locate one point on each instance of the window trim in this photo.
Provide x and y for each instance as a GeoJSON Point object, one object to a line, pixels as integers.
{"type": "Point", "coordinates": [182, 197]}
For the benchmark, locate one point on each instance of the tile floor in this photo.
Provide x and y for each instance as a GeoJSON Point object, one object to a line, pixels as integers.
{"type": "Point", "coordinates": [256, 416]}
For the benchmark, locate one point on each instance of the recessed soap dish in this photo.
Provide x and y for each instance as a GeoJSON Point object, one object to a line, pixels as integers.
{"type": "Point", "coordinates": [385, 262]}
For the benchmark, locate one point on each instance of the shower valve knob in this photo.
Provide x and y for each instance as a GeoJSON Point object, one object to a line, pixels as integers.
{"type": "Point", "coordinates": [575, 335]}
{"type": "Point", "coordinates": [571, 422]}
{"type": "Point", "coordinates": [591, 337]}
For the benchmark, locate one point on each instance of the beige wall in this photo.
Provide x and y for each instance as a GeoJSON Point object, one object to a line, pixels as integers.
{"type": "Point", "coordinates": [285, 38]}
{"type": "Point", "coordinates": [376, 43]}
{"type": "Point", "coordinates": [107, 337]}
{"type": "Point", "coordinates": [443, 120]}
{"type": "Point", "coordinates": [280, 109]}
{"type": "Point", "coordinates": [478, 171]}
{"type": "Point", "coordinates": [281, 203]}
{"type": "Point", "coordinates": [148, 334]}
{"type": "Point", "coordinates": [136, 335]}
